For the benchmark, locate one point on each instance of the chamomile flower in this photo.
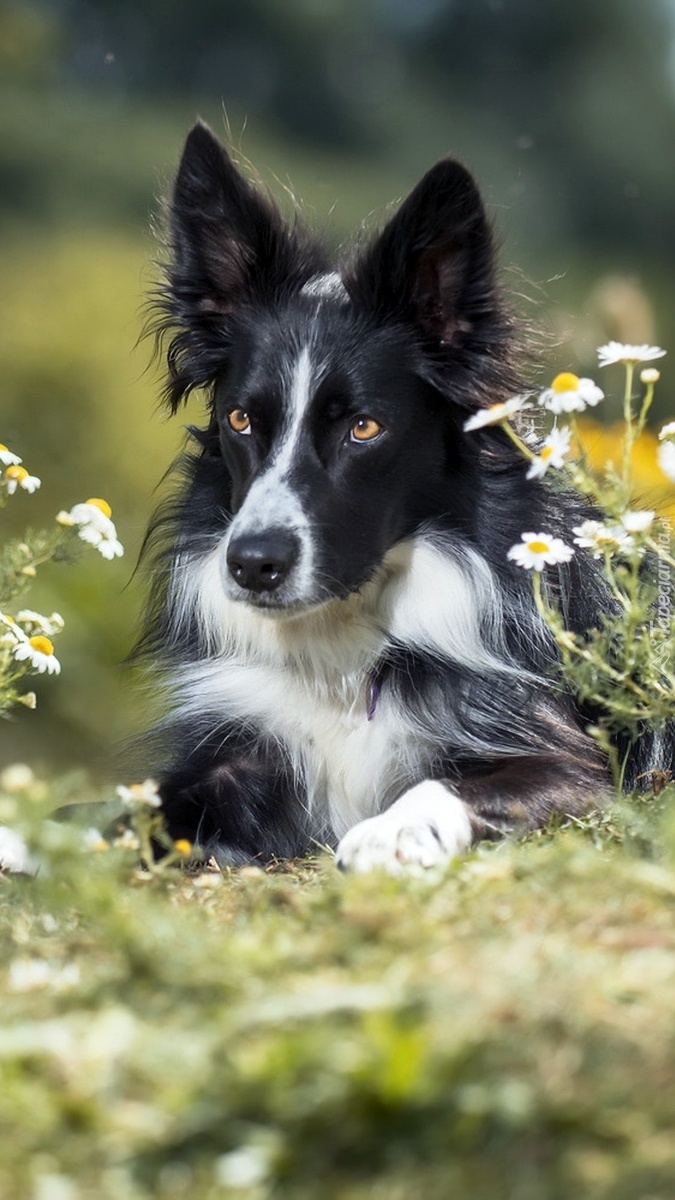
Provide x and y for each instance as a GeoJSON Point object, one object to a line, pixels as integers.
{"type": "Point", "coordinates": [10, 633]}
{"type": "Point", "coordinates": [15, 477]}
{"type": "Point", "coordinates": [536, 550]}
{"type": "Point", "coordinates": [39, 652]}
{"type": "Point", "coordinates": [496, 413]}
{"type": "Point", "coordinates": [7, 458]}
{"type": "Point", "coordinates": [140, 795]}
{"type": "Point", "coordinates": [668, 431]}
{"type": "Point", "coordinates": [665, 456]}
{"type": "Point", "coordinates": [601, 539]}
{"type": "Point", "coordinates": [616, 352]}
{"type": "Point", "coordinates": [94, 526]}
{"type": "Point", "coordinates": [36, 623]}
{"type": "Point", "coordinates": [552, 454]}
{"type": "Point", "coordinates": [569, 393]}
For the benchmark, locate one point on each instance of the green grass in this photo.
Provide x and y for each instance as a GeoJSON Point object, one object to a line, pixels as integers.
{"type": "Point", "coordinates": [503, 1030]}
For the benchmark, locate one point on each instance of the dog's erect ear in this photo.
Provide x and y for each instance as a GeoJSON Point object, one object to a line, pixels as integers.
{"type": "Point", "coordinates": [229, 241]}
{"type": "Point", "coordinates": [230, 247]}
{"type": "Point", "coordinates": [433, 261]}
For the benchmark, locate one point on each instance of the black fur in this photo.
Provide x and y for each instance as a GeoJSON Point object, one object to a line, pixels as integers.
{"type": "Point", "coordinates": [419, 337]}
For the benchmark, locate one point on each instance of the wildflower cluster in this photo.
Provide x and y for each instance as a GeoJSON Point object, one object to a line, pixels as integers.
{"type": "Point", "coordinates": [26, 636]}
{"type": "Point", "coordinates": [626, 667]}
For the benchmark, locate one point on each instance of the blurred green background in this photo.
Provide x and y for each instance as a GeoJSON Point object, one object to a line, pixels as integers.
{"type": "Point", "coordinates": [565, 111]}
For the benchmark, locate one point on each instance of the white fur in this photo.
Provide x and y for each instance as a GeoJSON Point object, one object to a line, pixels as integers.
{"type": "Point", "coordinates": [427, 827]}
{"type": "Point", "coordinates": [304, 680]}
{"type": "Point", "coordinates": [324, 287]}
{"type": "Point", "coordinates": [271, 503]}
{"type": "Point", "coordinates": [14, 855]}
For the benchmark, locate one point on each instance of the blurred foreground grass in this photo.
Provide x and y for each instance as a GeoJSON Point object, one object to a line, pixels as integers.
{"type": "Point", "coordinates": [505, 1030]}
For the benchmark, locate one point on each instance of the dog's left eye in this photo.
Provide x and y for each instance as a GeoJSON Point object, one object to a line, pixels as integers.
{"type": "Point", "coordinates": [365, 429]}
{"type": "Point", "coordinates": [239, 420]}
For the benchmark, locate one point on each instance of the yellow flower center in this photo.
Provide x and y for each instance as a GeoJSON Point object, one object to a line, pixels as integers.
{"type": "Point", "coordinates": [17, 473]}
{"type": "Point", "coordinates": [3, 447]}
{"type": "Point", "coordinates": [565, 382]}
{"type": "Point", "coordinates": [538, 547]}
{"type": "Point", "coordinates": [41, 644]}
{"type": "Point", "coordinates": [182, 846]}
{"type": "Point", "coordinates": [102, 505]}
{"type": "Point", "coordinates": [546, 453]}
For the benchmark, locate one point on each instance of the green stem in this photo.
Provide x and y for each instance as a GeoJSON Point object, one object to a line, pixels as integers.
{"type": "Point", "coordinates": [629, 435]}
{"type": "Point", "coordinates": [646, 405]}
{"type": "Point", "coordinates": [517, 441]}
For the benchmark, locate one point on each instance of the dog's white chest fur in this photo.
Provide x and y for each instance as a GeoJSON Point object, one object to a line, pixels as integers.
{"type": "Point", "coordinates": [307, 681]}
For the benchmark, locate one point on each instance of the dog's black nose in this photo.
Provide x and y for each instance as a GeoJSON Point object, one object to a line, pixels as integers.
{"type": "Point", "coordinates": [261, 562]}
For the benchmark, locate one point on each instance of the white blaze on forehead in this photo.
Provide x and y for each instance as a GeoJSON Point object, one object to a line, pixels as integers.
{"type": "Point", "coordinates": [271, 502]}
{"type": "Point", "coordinates": [325, 287]}
{"type": "Point", "coordinates": [299, 396]}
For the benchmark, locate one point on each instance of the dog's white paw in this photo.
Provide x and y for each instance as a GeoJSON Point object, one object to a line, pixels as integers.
{"type": "Point", "coordinates": [425, 828]}
{"type": "Point", "coordinates": [14, 856]}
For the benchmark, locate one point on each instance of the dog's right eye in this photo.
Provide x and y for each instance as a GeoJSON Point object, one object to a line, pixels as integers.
{"type": "Point", "coordinates": [239, 421]}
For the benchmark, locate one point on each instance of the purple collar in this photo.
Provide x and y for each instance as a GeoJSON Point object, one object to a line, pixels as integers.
{"type": "Point", "coordinates": [373, 693]}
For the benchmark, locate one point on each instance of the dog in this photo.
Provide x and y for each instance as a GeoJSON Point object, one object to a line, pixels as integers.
{"type": "Point", "coordinates": [351, 659]}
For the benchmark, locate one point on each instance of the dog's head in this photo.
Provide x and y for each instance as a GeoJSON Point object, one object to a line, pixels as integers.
{"type": "Point", "coordinates": [336, 395]}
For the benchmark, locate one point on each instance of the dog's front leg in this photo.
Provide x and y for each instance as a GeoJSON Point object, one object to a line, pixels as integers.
{"type": "Point", "coordinates": [241, 810]}
{"type": "Point", "coordinates": [433, 822]}
{"type": "Point", "coordinates": [426, 827]}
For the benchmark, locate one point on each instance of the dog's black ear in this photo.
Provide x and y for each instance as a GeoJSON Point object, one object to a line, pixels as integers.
{"type": "Point", "coordinates": [229, 241]}
{"type": "Point", "coordinates": [230, 247]}
{"type": "Point", "coordinates": [433, 262]}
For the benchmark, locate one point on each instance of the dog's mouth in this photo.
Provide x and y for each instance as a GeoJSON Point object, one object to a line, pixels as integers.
{"type": "Point", "coordinates": [282, 608]}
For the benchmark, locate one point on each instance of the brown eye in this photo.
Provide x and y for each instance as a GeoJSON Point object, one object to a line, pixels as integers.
{"type": "Point", "coordinates": [365, 429]}
{"type": "Point", "coordinates": [239, 421]}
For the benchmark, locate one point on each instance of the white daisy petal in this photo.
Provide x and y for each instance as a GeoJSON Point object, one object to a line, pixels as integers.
{"type": "Point", "coordinates": [110, 548]}
{"type": "Point", "coordinates": [140, 794]}
{"type": "Point", "coordinates": [616, 352]}
{"type": "Point", "coordinates": [637, 522]}
{"type": "Point", "coordinates": [7, 458]}
{"type": "Point", "coordinates": [496, 413]}
{"type": "Point", "coordinates": [668, 431]}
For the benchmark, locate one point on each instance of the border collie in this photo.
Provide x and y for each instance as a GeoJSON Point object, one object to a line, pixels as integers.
{"type": "Point", "coordinates": [352, 659]}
